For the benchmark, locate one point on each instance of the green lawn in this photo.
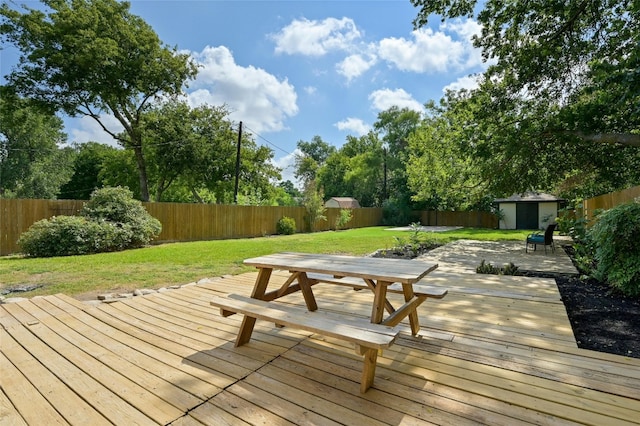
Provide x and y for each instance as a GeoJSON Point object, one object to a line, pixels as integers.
{"type": "Point", "coordinates": [181, 263]}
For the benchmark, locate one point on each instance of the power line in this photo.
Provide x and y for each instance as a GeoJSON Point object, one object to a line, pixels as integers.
{"type": "Point", "coordinates": [266, 140]}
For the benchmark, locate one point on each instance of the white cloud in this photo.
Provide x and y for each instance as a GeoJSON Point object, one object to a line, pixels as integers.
{"type": "Point", "coordinates": [355, 65]}
{"type": "Point", "coordinates": [466, 29]}
{"type": "Point", "coordinates": [310, 90]}
{"type": "Point", "coordinates": [384, 99]}
{"type": "Point", "coordinates": [316, 38]}
{"type": "Point", "coordinates": [254, 96]}
{"type": "Point", "coordinates": [354, 125]}
{"type": "Point", "coordinates": [86, 129]}
{"type": "Point", "coordinates": [469, 82]}
{"type": "Point", "coordinates": [427, 52]}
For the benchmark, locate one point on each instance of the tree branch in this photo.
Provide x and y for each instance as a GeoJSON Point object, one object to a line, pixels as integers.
{"type": "Point", "coordinates": [628, 139]}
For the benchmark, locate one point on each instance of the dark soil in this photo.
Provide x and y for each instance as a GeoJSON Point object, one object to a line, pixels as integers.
{"type": "Point", "coordinates": [602, 319]}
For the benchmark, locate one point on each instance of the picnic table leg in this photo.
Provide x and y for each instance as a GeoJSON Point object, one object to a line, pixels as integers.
{"type": "Point", "coordinates": [369, 369]}
{"type": "Point", "coordinates": [407, 289]}
{"type": "Point", "coordinates": [305, 287]}
{"type": "Point", "coordinates": [259, 288]}
{"type": "Point", "coordinates": [379, 302]}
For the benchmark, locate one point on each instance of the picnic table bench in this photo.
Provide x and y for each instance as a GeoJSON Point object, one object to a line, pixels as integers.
{"type": "Point", "coordinates": [378, 275]}
{"type": "Point", "coordinates": [368, 338]}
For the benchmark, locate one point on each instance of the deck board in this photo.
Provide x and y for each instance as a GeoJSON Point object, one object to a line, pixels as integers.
{"type": "Point", "coordinates": [496, 350]}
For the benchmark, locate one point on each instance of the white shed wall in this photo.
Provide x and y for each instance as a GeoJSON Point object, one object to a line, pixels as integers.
{"type": "Point", "coordinates": [545, 209]}
{"type": "Point", "coordinates": [509, 210]}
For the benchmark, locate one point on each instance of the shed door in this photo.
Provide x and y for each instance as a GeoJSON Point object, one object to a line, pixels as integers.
{"type": "Point", "coordinates": [526, 215]}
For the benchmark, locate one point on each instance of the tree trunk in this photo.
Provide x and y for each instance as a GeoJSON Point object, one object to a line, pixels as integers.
{"type": "Point", "coordinates": [142, 171]}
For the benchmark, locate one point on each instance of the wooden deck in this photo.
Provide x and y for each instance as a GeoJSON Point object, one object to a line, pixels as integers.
{"type": "Point", "coordinates": [496, 350]}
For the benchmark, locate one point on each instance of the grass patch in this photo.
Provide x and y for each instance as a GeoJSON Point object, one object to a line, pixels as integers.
{"type": "Point", "coordinates": [181, 263]}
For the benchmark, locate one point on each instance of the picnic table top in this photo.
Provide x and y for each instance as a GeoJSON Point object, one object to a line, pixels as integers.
{"type": "Point", "coordinates": [379, 269]}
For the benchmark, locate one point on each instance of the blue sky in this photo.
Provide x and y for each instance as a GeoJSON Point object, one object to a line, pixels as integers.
{"type": "Point", "coordinates": [290, 70]}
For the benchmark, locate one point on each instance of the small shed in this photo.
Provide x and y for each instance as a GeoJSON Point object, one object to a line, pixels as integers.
{"type": "Point", "coordinates": [342, 203]}
{"type": "Point", "coordinates": [531, 210]}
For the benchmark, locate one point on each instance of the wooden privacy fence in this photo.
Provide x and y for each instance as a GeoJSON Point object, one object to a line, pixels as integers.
{"type": "Point", "coordinates": [194, 222]}
{"type": "Point", "coordinates": [180, 222]}
{"type": "Point", "coordinates": [610, 200]}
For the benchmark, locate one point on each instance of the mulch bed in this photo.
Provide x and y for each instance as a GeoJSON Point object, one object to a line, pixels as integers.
{"type": "Point", "coordinates": [602, 320]}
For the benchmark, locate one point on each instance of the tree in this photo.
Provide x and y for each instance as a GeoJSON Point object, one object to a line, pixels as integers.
{"type": "Point", "coordinates": [395, 126]}
{"type": "Point", "coordinates": [93, 57]}
{"type": "Point", "coordinates": [565, 77]}
{"type": "Point", "coordinates": [192, 151]}
{"type": "Point", "coordinates": [314, 154]}
{"type": "Point", "coordinates": [355, 170]}
{"type": "Point", "coordinates": [88, 172]}
{"type": "Point", "coordinates": [119, 169]}
{"type": "Point", "coordinates": [313, 202]}
{"type": "Point", "coordinates": [579, 55]}
{"type": "Point", "coordinates": [32, 165]}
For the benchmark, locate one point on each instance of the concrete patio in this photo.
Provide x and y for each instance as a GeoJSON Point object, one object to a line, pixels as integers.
{"type": "Point", "coordinates": [465, 255]}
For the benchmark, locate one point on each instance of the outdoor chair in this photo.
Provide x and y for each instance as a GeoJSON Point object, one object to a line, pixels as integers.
{"type": "Point", "coordinates": [545, 239]}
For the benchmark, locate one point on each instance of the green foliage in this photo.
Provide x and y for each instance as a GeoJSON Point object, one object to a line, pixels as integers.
{"type": "Point", "coordinates": [344, 217]}
{"type": "Point", "coordinates": [31, 163]}
{"type": "Point", "coordinates": [72, 235]}
{"type": "Point", "coordinates": [314, 154]}
{"type": "Point", "coordinates": [313, 201]}
{"type": "Point", "coordinates": [488, 268]}
{"type": "Point", "coordinates": [562, 86]}
{"type": "Point", "coordinates": [117, 205]}
{"type": "Point", "coordinates": [88, 166]}
{"type": "Point", "coordinates": [110, 221]}
{"type": "Point", "coordinates": [395, 213]}
{"type": "Point", "coordinates": [616, 237]}
{"type": "Point", "coordinates": [94, 58]}
{"type": "Point", "coordinates": [286, 226]}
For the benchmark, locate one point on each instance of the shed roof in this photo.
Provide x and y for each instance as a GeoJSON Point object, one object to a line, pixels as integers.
{"type": "Point", "coordinates": [529, 197]}
{"type": "Point", "coordinates": [345, 202]}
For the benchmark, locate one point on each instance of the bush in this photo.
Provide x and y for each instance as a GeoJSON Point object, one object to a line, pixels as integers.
{"type": "Point", "coordinates": [488, 268]}
{"type": "Point", "coordinates": [616, 238]}
{"type": "Point", "coordinates": [117, 205]}
{"type": "Point", "coordinates": [395, 213]}
{"type": "Point", "coordinates": [69, 236]}
{"type": "Point", "coordinates": [286, 226]}
{"type": "Point", "coordinates": [112, 220]}
{"type": "Point", "coordinates": [344, 217]}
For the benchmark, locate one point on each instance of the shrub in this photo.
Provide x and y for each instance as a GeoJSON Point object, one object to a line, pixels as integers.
{"type": "Point", "coordinates": [314, 205]}
{"type": "Point", "coordinates": [488, 268]}
{"type": "Point", "coordinates": [118, 206]}
{"type": "Point", "coordinates": [112, 220]}
{"type": "Point", "coordinates": [616, 238]}
{"type": "Point", "coordinates": [395, 213]}
{"type": "Point", "coordinates": [344, 217]}
{"type": "Point", "coordinates": [286, 226]}
{"type": "Point", "coordinates": [71, 235]}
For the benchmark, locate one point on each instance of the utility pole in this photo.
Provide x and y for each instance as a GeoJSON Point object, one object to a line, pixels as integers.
{"type": "Point", "coordinates": [384, 182]}
{"type": "Point", "coordinates": [235, 192]}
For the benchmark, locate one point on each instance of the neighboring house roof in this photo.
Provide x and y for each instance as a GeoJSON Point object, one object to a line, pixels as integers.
{"type": "Point", "coordinates": [529, 197]}
{"type": "Point", "coordinates": [344, 202]}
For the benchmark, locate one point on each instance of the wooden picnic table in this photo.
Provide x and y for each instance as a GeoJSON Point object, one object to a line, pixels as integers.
{"type": "Point", "coordinates": [379, 275]}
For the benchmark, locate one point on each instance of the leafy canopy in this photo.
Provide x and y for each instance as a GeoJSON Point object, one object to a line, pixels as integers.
{"type": "Point", "coordinates": [91, 58]}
